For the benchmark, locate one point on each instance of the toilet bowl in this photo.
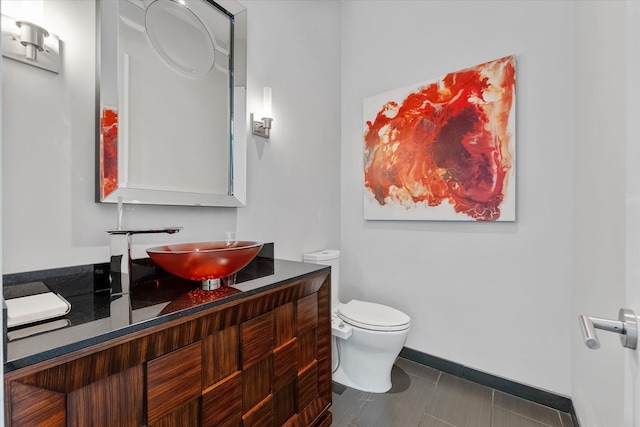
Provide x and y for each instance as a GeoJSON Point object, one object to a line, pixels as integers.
{"type": "Point", "coordinates": [367, 337]}
{"type": "Point", "coordinates": [365, 359]}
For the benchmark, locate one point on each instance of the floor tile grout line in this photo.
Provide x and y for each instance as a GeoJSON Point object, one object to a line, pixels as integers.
{"type": "Point", "coordinates": [548, 408]}
{"type": "Point", "coordinates": [530, 402]}
{"type": "Point", "coordinates": [441, 420]}
{"type": "Point", "coordinates": [524, 416]}
{"type": "Point", "coordinates": [426, 407]}
{"type": "Point", "coordinates": [422, 378]}
{"type": "Point", "coordinates": [493, 405]}
{"type": "Point", "coordinates": [561, 422]}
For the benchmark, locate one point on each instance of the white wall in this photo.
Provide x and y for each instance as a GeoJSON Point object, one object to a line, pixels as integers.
{"type": "Point", "coordinates": [49, 215]}
{"type": "Point", "coordinates": [294, 179]}
{"type": "Point", "coordinates": [492, 296]}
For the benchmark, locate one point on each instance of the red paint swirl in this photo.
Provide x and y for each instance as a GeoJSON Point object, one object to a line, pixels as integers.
{"type": "Point", "coordinates": [109, 154]}
{"type": "Point", "coordinates": [447, 141]}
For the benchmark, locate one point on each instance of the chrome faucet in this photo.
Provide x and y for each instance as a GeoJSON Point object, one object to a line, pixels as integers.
{"type": "Point", "coordinates": [121, 255]}
{"type": "Point", "coordinates": [120, 244]}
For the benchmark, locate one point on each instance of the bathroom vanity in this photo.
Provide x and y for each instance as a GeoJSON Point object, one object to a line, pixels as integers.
{"type": "Point", "coordinates": [258, 357]}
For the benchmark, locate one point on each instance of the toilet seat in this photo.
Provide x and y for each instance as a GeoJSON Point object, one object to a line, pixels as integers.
{"type": "Point", "coordinates": [372, 316]}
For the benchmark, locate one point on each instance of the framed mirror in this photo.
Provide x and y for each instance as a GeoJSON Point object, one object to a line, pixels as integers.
{"type": "Point", "coordinates": [171, 102]}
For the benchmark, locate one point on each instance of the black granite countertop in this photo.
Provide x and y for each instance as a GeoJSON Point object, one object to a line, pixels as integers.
{"type": "Point", "coordinates": [156, 297]}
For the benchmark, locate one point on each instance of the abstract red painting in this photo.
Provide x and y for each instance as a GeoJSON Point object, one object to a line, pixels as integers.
{"type": "Point", "coordinates": [443, 149]}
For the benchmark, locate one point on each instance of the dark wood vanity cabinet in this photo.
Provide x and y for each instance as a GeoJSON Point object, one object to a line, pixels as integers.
{"type": "Point", "coordinates": [262, 360]}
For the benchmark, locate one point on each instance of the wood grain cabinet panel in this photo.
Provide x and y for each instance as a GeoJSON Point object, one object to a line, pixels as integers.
{"type": "Point", "coordinates": [256, 384]}
{"type": "Point", "coordinates": [257, 338]}
{"type": "Point", "coordinates": [307, 348]}
{"type": "Point", "coordinates": [285, 364]}
{"type": "Point", "coordinates": [261, 415]}
{"type": "Point", "coordinates": [285, 323]}
{"type": "Point", "coordinates": [307, 385]}
{"type": "Point", "coordinates": [173, 380]}
{"type": "Point", "coordinates": [185, 416]}
{"type": "Point", "coordinates": [307, 313]}
{"type": "Point", "coordinates": [220, 355]}
{"type": "Point", "coordinates": [324, 371]}
{"type": "Point", "coordinates": [222, 403]}
{"type": "Point", "coordinates": [115, 400]}
{"type": "Point", "coordinates": [314, 414]}
{"type": "Point", "coordinates": [323, 344]}
{"type": "Point", "coordinates": [284, 403]}
{"type": "Point", "coordinates": [259, 361]}
{"type": "Point", "coordinates": [33, 406]}
{"type": "Point", "coordinates": [325, 420]}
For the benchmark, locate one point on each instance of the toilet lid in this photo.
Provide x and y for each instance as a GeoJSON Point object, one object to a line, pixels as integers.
{"type": "Point", "coordinates": [372, 316]}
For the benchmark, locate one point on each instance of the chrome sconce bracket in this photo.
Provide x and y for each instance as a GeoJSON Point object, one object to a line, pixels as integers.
{"type": "Point", "coordinates": [31, 44]}
{"type": "Point", "coordinates": [261, 128]}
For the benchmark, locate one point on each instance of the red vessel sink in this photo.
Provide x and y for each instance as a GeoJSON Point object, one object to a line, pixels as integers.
{"type": "Point", "coordinates": [205, 260]}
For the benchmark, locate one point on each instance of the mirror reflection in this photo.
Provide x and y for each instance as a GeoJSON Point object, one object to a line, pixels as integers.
{"type": "Point", "coordinates": [172, 80]}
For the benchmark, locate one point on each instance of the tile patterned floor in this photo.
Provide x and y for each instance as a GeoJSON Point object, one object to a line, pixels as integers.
{"type": "Point", "coordinates": [424, 397]}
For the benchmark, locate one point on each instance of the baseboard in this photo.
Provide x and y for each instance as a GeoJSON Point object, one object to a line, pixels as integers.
{"type": "Point", "coordinates": [542, 397]}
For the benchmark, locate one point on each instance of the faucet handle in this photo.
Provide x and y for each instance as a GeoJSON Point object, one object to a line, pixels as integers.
{"type": "Point", "coordinates": [132, 231]}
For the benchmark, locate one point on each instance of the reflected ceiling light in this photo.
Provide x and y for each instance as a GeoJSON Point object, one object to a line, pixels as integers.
{"type": "Point", "coordinates": [263, 128]}
{"type": "Point", "coordinates": [30, 43]}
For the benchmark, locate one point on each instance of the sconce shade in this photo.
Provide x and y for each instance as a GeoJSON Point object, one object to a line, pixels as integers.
{"type": "Point", "coordinates": [266, 102]}
{"type": "Point", "coordinates": [262, 127]}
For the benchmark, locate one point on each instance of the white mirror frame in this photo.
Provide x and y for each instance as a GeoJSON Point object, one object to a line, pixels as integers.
{"type": "Point", "coordinates": [237, 188]}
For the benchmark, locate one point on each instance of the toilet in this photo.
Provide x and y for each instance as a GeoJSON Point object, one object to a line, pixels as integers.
{"type": "Point", "coordinates": [367, 337]}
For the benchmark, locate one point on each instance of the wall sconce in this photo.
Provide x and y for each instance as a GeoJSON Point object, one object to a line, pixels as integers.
{"type": "Point", "coordinates": [262, 128]}
{"type": "Point", "coordinates": [31, 44]}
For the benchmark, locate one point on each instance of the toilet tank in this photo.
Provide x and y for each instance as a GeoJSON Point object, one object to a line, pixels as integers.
{"type": "Point", "coordinates": [328, 257]}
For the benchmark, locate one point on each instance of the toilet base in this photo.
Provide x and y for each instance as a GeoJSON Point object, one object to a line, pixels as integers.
{"type": "Point", "coordinates": [365, 369]}
{"type": "Point", "coordinates": [341, 378]}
